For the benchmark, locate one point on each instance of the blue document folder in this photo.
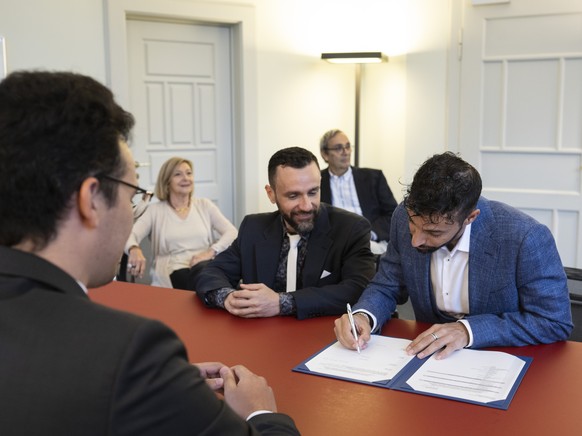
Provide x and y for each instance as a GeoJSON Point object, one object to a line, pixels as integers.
{"type": "Point", "coordinates": [447, 383]}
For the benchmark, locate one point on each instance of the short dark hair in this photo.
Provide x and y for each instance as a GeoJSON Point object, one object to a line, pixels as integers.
{"type": "Point", "coordinates": [56, 129]}
{"type": "Point", "coordinates": [445, 186]}
{"type": "Point", "coordinates": [294, 157]}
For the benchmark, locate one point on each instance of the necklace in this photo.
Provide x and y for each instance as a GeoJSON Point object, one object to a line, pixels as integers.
{"type": "Point", "coordinates": [181, 209]}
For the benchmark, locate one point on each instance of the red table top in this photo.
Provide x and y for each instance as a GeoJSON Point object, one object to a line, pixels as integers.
{"type": "Point", "coordinates": [547, 401]}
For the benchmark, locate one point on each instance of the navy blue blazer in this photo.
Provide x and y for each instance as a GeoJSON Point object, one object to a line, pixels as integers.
{"type": "Point", "coordinates": [376, 198]}
{"type": "Point", "coordinates": [518, 291]}
{"type": "Point", "coordinates": [338, 263]}
{"type": "Point", "coordinates": [69, 366]}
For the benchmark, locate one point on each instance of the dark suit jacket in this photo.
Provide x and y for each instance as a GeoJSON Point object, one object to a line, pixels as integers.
{"type": "Point", "coordinates": [337, 267]}
{"type": "Point", "coordinates": [376, 199]}
{"type": "Point", "coordinates": [72, 367]}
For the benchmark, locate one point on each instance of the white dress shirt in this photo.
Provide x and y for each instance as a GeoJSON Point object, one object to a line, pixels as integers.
{"type": "Point", "coordinates": [343, 191]}
{"type": "Point", "coordinates": [449, 274]}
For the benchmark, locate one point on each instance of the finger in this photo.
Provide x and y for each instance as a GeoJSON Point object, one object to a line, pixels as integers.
{"type": "Point", "coordinates": [215, 383]}
{"type": "Point", "coordinates": [250, 286]}
{"type": "Point", "coordinates": [241, 372]}
{"type": "Point", "coordinates": [228, 377]}
{"type": "Point", "coordinates": [343, 332]}
{"type": "Point", "coordinates": [444, 352]}
{"type": "Point", "coordinates": [209, 369]}
{"type": "Point", "coordinates": [421, 345]}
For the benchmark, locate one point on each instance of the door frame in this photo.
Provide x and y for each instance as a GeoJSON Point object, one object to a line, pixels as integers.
{"type": "Point", "coordinates": [241, 21]}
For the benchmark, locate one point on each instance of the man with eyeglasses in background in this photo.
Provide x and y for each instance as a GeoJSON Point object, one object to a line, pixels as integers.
{"type": "Point", "coordinates": [364, 191]}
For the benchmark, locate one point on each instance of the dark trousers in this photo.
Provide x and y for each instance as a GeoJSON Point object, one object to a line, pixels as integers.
{"type": "Point", "coordinates": [186, 277]}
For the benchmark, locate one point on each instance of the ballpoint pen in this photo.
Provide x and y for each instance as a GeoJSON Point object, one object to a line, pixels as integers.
{"type": "Point", "coordinates": [353, 325]}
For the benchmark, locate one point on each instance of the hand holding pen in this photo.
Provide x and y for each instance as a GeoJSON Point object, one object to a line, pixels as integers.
{"type": "Point", "coordinates": [344, 330]}
{"type": "Point", "coordinates": [353, 326]}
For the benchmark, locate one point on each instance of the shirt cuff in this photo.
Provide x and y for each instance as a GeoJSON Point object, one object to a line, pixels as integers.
{"type": "Point", "coordinates": [371, 315]}
{"type": "Point", "coordinates": [216, 297]}
{"type": "Point", "coordinates": [468, 327]}
{"type": "Point", "coordinates": [287, 304]}
{"type": "Point", "coordinates": [258, 412]}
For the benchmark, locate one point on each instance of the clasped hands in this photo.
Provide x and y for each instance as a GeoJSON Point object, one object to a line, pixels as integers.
{"type": "Point", "coordinates": [253, 300]}
{"type": "Point", "coordinates": [244, 391]}
{"type": "Point", "coordinates": [442, 339]}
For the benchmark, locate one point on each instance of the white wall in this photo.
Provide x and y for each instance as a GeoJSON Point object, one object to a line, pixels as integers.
{"type": "Point", "coordinates": [299, 96]}
{"type": "Point", "coordinates": [54, 35]}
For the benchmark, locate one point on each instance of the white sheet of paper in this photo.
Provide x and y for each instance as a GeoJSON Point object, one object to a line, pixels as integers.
{"type": "Point", "coordinates": [381, 360]}
{"type": "Point", "coordinates": [482, 376]}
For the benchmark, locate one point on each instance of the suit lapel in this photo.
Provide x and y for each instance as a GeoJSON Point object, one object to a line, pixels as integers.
{"type": "Point", "coordinates": [317, 249]}
{"type": "Point", "coordinates": [421, 272]}
{"type": "Point", "coordinates": [363, 190]}
{"type": "Point", "coordinates": [483, 256]}
{"type": "Point", "coordinates": [268, 251]}
{"type": "Point", "coordinates": [325, 186]}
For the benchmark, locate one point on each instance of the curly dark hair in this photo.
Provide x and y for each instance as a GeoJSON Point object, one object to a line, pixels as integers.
{"type": "Point", "coordinates": [444, 187]}
{"type": "Point", "coordinates": [294, 157]}
{"type": "Point", "coordinates": [56, 129]}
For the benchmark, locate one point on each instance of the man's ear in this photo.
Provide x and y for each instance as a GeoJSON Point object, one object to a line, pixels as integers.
{"type": "Point", "coordinates": [473, 216]}
{"type": "Point", "coordinates": [88, 202]}
{"type": "Point", "coordinates": [270, 193]}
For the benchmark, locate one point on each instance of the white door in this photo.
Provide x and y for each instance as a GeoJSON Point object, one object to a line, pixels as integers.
{"type": "Point", "coordinates": [520, 109]}
{"type": "Point", "coordinates": [180, 95]}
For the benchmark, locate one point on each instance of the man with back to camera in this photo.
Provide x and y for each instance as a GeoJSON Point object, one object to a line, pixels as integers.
{"type": "Point", "coordinates": [325, 249]}
{"type": "Point", "coordinates": [364, 191]}
{"type": "Point", "coordinates": [70, 366]}
{"type": "Point", "coordinates": [484, 273]}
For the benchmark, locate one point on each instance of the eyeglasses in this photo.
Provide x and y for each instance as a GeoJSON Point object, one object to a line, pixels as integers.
{"type": "Point", "coordinates": [138, 190]}
{"type": "Point", "coordinates": [339, 148]}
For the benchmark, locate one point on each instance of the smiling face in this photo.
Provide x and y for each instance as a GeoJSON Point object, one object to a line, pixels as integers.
{"type": "Point", "coordinates": [296, 193]}
{"type": "Point", "coordinates": [182, 180]}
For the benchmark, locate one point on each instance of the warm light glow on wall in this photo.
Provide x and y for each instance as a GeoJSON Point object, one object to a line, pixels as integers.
{"type": "Point", "coordinates": [339, 25]}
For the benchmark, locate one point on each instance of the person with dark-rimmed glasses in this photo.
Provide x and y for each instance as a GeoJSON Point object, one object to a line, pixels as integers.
{"type": "Point", "coordinates": [69, 366]}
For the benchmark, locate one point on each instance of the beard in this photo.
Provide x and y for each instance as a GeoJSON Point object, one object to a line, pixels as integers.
{"type": "Point", "coordinates": [305, 224]}
{"type": "Point", "coordinates": [429, 249]}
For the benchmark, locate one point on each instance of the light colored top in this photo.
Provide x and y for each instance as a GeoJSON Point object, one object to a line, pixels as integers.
{"type": "Point", "coordinates": [449, 274]}
{"type": "Point", "coordinates": [343, 191]}
{"type": "Point", "coordinates": [175, 240]}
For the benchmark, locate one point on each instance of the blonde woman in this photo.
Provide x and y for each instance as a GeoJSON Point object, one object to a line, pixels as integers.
{"type": "Point", "coordinates": [181, 228]}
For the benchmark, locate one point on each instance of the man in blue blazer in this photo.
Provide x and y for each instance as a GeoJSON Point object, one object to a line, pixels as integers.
{"type": "Point", "coordinates": [484, 273]}
{"type": "Point", "coordinates": [334, 262]}
{"type": "Point", "coordinates": [361, 190]}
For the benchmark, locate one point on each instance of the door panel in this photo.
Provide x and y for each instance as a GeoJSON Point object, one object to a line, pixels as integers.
{"type": "Point", "coordinates": [520, 110]}
{"type": "Point", "coordinates": [180, 95]}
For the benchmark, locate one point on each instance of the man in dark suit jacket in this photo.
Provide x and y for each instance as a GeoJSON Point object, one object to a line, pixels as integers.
{"type": "Point", "coordinates": [361, 190]}
{"type": "Point", "coordinates": [334, 261]}
{"type": "Point", "coordinates": [69, 366]}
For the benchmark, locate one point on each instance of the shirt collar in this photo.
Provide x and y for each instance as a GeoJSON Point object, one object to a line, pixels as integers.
{"type": "Point", "coordinates": [465, 241]}
{"type": "Point", "coordinates": [462, 245]}
{"type": "Point", "coordinates": [345, 175]}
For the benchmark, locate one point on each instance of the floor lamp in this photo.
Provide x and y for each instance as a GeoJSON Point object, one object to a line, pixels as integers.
{"type": "Point", "coordinates": [358, 59]}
